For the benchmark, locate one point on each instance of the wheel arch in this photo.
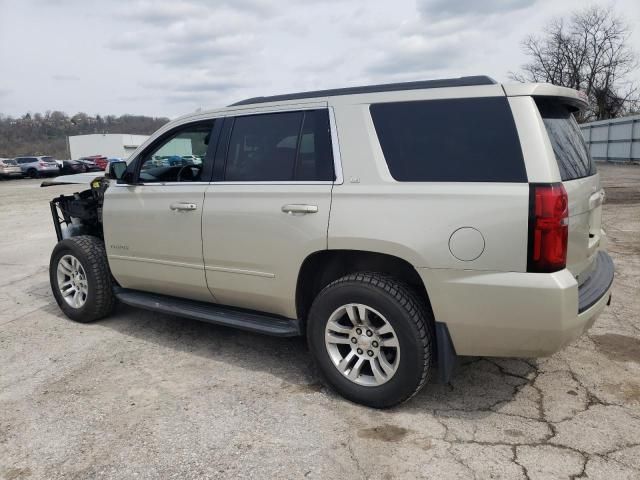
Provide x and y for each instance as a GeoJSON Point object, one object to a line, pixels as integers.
{"type": "Point", "coordinates": [322, 267]}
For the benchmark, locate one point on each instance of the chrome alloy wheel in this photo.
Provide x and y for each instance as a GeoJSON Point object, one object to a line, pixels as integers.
{"type": "Point", "coordinates": [72, 281]}
{"type": "Point", "coordinates": [362, 345]}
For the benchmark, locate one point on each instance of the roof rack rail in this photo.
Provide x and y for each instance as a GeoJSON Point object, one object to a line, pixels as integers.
{"type": "Point", "coordinates": [387, 87]}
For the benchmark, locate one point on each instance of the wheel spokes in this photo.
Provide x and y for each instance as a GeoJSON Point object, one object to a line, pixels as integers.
{"type": "Point", "coordinates": [377, 372]}
{"type": "Point", "coordinates": [390, 342]}
{"type": "Point", "coordinates": [337, 339]}
{"type": "Point", "coordinates": [367, 351]}
{"type": "Point", "coordinates": [355, 370]}
{"type": "Point", "coordinates": [334, 326]}
{"type": "Point", "coordinates": [344, 364]}
{"type": "Point", "coordinates": [72, 281]}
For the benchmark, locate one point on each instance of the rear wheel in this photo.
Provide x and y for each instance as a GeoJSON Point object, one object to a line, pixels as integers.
{"type": "Point", "coordinates": [32, 173]}
{"type": "Point", "coordinates": [80, 278]}
{"type": "Point", "coordinates": [371, 337]}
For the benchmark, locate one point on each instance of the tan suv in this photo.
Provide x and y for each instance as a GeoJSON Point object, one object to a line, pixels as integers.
{"type": "Point", "coordinates": [396, 226]}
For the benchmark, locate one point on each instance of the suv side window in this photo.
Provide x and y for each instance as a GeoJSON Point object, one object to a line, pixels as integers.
{"type": "Point", "coordinates": [456, 140]}
{"type": "Point", "coordinates": [289, 146]}
{"type": "Point", "coordinates": [179, 156]}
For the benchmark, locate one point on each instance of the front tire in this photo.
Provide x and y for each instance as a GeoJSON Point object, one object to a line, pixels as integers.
{"type": "Point", "coordinates": [371, 337]}
{"type": "Point", "coordinates": [80, 278]}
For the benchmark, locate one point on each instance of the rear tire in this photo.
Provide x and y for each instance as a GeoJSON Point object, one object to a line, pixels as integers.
{"type": "Point", "coordinates": [80, 278]}
{"type": "Point", "coordinates": [32, 173]}
{"type": "Point", "coordinates": [372, 339]}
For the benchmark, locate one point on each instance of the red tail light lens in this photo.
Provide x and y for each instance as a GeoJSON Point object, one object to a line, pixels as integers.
{"type": "Point", "coordinates": [548, 228]}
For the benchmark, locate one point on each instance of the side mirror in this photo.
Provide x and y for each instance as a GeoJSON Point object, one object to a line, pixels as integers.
{"type": "Point", "coordinates": [117, 170]}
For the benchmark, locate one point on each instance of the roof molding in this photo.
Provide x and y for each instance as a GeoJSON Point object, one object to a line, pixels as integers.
{"type": "Point", "coordinates": [386, 87]}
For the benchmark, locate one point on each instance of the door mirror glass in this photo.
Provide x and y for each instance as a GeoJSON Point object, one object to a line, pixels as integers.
{"type": "Point", "coordinates": [117, 169]}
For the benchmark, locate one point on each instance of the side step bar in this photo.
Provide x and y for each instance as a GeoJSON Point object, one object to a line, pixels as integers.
{"type": "Point", "coordinates": [212, 313]}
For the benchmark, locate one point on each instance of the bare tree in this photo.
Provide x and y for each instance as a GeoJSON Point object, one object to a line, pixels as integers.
{"type": "Point", "coordinates": [589, 52]}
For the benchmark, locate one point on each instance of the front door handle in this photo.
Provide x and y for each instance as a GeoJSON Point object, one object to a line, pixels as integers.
{"type": "Point", "coordinates": [183, 206]}
{"type": "Point", "coordinates": [299, 209]}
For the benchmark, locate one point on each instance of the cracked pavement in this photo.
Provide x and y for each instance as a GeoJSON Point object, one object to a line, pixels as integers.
{"type": "Point", "coordinates": [154, 396]}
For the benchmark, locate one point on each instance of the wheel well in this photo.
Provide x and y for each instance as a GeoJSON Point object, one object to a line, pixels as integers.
{"type": "Point", "coordinates": [321, 268]}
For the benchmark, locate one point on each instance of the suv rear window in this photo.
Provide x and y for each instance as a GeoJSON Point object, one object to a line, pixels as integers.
{"type": "Point", "coordinates": [456, 140]}
{"type": "Point", "coordinates": [572, 155]}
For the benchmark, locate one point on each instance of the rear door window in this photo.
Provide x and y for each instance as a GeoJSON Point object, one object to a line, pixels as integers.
{"type": "Point", "coordinates": [289, 146]}
{"type": "Point", "coordinates": [572, 155]}
{"type": "Point", "coordinates": [453, 140]}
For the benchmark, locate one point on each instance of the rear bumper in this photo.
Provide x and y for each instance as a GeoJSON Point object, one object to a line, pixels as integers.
{"type": "Point", "coordinates": [597, 284]}
{"type": "Point", "coordinates": [516, 314]}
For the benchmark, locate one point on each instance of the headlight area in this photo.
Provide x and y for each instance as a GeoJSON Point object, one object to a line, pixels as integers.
{"type": "Point", "coordinates": [80, 213]}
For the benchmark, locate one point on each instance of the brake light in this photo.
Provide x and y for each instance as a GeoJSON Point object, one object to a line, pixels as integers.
{"type": "Point", "coordinates": [43, 164]}
{"type": "Point", "coordinates": [548, 227]}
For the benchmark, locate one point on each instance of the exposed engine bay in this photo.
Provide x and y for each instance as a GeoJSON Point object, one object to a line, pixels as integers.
{"type": "Point", "coordinates": [80, 213]}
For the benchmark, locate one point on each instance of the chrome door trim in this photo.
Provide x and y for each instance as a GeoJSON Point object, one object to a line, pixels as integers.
{"type": "Point", "coordinates": [153, 260]}
{"type": "Point", "coordinates": [239, 271]}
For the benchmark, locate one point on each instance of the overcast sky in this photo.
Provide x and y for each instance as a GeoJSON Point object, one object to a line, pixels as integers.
{"type": "Point", "coordinates": [165, 58]}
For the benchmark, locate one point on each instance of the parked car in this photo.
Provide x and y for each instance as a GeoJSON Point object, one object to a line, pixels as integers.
{"type": "Point", "coordinates": [9, 168]}
{"type": "Point", "coordinates": [192, 160]}
{"type": "Point", "coordinates": [38, 166]}
{"type": "Point", "coordinates": [70, 167]}
{"type": "Point", "coordinates": [99, 160]}
{"type": "Point", "coordinates": [396, 226]}
{"type": "Point", "coordinates": [90, 165]}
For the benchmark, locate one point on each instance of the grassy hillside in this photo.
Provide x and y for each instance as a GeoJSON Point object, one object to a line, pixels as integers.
{"type": "Point", "coordinates": [46, 134]}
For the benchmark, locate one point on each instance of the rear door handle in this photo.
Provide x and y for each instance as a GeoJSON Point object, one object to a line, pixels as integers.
{"type": "Point", "coordinates": [293, 209]}
{"type": "Point", "coordinates": [183, 206]}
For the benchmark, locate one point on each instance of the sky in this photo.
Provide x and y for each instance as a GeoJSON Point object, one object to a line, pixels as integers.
{"type": "Point", "coordinates": [170, 57]}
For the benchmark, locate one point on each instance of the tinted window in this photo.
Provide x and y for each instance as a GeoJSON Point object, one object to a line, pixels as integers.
{"type": "Point", "coordinates": [179, 157]}
{"type": "Point", "coordinates": [461, 140]}
{"type": "Point", "coordinates": [572, 155]}
{"type": "Point", "coordinates": [291, 146]}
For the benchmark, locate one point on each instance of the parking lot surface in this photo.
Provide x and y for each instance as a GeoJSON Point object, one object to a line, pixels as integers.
{"type": "Point", "coordinates": [145, 395]}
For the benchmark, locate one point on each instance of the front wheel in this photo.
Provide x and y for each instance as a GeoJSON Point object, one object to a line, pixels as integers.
{"type": "Point", "coordinates": [371, 337]}
{"type": "Point", "coordinates": [80, 278]}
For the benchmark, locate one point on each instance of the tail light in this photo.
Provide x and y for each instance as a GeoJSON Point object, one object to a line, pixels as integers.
{"type": "Point", "coordinates": [548, 228]}
{"type": "Point", "coordinates": [43, 164]}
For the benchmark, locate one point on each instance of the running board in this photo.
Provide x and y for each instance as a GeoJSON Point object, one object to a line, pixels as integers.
{"type": "Point", "coordinates": [211, 313]}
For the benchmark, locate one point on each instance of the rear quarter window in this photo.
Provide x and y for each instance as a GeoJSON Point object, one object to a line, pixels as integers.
{"type": "Point", "coordinates": [572, 155]}
{"type": "Point", "coordinates": [454, 140]}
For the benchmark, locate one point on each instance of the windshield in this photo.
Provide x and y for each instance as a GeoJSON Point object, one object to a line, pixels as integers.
{"type": "Point", "coordinates": [574, 160]}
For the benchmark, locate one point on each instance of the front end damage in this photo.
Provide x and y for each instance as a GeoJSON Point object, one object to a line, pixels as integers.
{"type": "Point", "coordinates": [80, 213]}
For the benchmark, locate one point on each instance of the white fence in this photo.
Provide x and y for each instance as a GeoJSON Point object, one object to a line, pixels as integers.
{"type": "Point", "coordinates": [615, 140]}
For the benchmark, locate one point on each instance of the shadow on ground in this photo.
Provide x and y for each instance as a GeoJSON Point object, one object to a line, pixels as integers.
{"type": "Point", "coordinates": [479, 384]}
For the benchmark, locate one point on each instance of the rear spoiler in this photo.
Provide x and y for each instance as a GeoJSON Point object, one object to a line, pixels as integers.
{"type": "Point", "coordinates": [574, 98]}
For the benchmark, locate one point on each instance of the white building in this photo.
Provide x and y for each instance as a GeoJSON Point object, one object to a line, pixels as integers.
{"type": "Point", "coordinates": [118, 145]}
